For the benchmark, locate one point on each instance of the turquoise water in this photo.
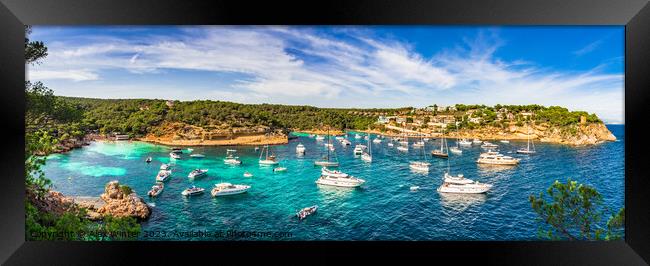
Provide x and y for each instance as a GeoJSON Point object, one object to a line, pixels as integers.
{"type": "Point", "coordinates": [382, 209]}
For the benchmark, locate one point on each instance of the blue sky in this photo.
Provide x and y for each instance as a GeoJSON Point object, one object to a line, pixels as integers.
{"type": "Point", "coordinates": [581, 68]}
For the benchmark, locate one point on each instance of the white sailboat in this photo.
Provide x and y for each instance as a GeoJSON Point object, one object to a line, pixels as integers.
{"type": "Point", "coordinates": [442, 152]}
{"type": "Point", "coordinates": [231, 158]}
{"type": "Point", "coordinates": [326, 161]}
{"type": "Point", "coordinates": [267, 160]}
{"type": "Point", "coordinates": [422, 165]}
{"type": "Point", "coordinates": [529, 145]}
{"type": "Point", "coordinates": [367, 156]}
{"type": "Point", "coordinates": [456, 149]}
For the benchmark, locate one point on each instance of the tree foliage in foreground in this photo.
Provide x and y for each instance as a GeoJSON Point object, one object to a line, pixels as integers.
{"type": "Point", "coordinates": [574, 211]}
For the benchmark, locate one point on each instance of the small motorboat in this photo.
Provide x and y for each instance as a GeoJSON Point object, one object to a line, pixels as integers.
{"type": "Point", "coordinates": [190, 149]}
{"type": "Point", "coordinates": [163, 175]}
{"type": "Point", "coordinates": [177, 150]}
{"type": "Point", "coordinates": [197, 155]}
{"type": "Point", "coordinates": [376, 140]}
{"type": "Point", "coordinates": [488, 145]}
{"type": "Point", "coordinates": [477, 141]}
{"type": "Point", "coordinates": [390, 144]}
{"type": "Point", "coordinates": [248, 174]}
{"type": "Point", "coordinates": [174, 155]}
{"type": "Point", "coordinates": [302, 214]}
{"type": "Point", "coordinates": [455, 150]}
{"type": "Point", "coordinates": [165, 166]}
{"type": "Point", "coordinates": [403, 148]}
{"type": "Point", "coordinates": [156, 189]}
{"type": "Point", "coordinates": [464, 142]}
{"type": "Point", "coordinates": [231, 158]}
{"type": "Point", "coordinates": [504, 141]}
{"type": "Point", "coordinates": [198, 173]}
{"type": "Point", "coordinates": [280, 169]}
{"type": "Point", "coordinates": [415, 188]}
{"type": "Point", "coordinates": [148, 160]}
{"type": "Point", "coordinates": [192, 191]}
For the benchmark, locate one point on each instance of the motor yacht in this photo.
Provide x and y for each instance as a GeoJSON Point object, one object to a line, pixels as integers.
{"type": "Point", "coordinates": [492, 157]}
{"type": "Point", "coordinates": [156, 189]}
{"type": "Point", "coordinates": [224, 189]}
{"type": "Point", "coordinates": [192, 191]}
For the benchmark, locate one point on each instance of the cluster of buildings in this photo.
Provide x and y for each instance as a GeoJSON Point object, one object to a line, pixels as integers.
{"type": "Point", "coordinates": [442, 116]}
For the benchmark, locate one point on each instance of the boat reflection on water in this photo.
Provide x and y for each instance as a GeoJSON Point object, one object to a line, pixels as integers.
{"type": "Point", "coordinates": [460, 202]}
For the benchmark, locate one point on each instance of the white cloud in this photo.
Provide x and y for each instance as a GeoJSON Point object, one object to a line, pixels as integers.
{"type": "Point", "coordinates": [296, 65]}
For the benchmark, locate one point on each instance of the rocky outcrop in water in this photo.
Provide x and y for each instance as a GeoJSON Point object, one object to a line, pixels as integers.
{"type": "Point", "coordinates": [121, 202]}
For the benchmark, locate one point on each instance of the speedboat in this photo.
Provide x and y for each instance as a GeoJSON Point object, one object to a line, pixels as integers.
{"type": "Point", "coordinates": [357, 136]}
{"type": "Point", "coordinates": [148, 160]}
{"type": "Point", "coordinates": [300, 148]}
{"type": "Point", "coordinates": [165, 166]}
{"type": "Point", "coordinates": [420, 166]}
{"type": "Point", "coordinates": [488, 145]}
{"type": "Point", "coordinates": [156, 189]}
{"type": "Point", "coordinates": [418, 144]}
{"type": "Point", "coordinates": [197, 155]}
{"type": "Point", "coordinates": [224, 189]}
{"type": "Point", "coordinates": [376, 140]}
{"type": "Point", "coordinates": [477, 141]}
{"type": "Point", "coordinates": [192, 191]}
{"type": "Point", "coordinates": [455, 150]}
{"type": "Point", "coordinates": [198, 173]}
{"type": "Point", "coordinates": [403, 148]}
{"type": "Point", "coordinates": [492, 157]}
{"type": "Point", "coordinates": [280, 169]}
{"type": "Point", "coordinates": [464, 142]}
{"type": "Point", "coordinates": [346, 142]}
{"type": "Point", "coordinates": [414, 188]}
{"type": "Point", "coordinates": [163, 175]}
{"type": "Point", "coordinates": [504, 141]}
{"type": "Point", "coordinates": [338, 179]}
{"type": "Point", "coordinates": [302, 214]}
{"type": "Point", "coordinates": [390, 144]}
{"type": "Point", "coordinates": [178, 150]}
{"type": "Point", "coordinates": [248, 174]}
{"type": "Point", "coordinates": [174, 155]}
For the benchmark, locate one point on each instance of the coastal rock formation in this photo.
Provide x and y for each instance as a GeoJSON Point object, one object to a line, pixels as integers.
{"type": "Point", "coordinates": [121, 204]}
{"type": "Point", "coordinates": [579, 134]}
{"type": "Point", "coordinates": [52, 202]}
{"type": "Point", "coordinates": [181, 134]}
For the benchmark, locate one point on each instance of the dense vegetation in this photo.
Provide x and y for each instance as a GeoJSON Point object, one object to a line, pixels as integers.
{"type": "Point", "coordinates": [552, 115]}
{"type": "Point", "coordinates": [48, 121]}
{"type": "Point", "coordinates": [140, 116]}
{"type": "Point", "coordinates": [574, 211]}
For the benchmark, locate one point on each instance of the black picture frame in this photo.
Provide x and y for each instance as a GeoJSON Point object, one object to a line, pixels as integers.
{"type": "Point", "coordinates": [634, 14]}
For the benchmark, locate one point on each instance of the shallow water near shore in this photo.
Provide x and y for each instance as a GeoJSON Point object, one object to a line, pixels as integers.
{"type": "Point", "coordinates": [384, 208]}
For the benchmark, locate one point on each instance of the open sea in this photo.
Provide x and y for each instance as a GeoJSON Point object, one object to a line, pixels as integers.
{"type": "Point", "coordinates": [384, 208]}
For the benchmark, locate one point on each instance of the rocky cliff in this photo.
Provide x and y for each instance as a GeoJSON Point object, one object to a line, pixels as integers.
{"type": "Point", "coordinates": [578, 134]}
